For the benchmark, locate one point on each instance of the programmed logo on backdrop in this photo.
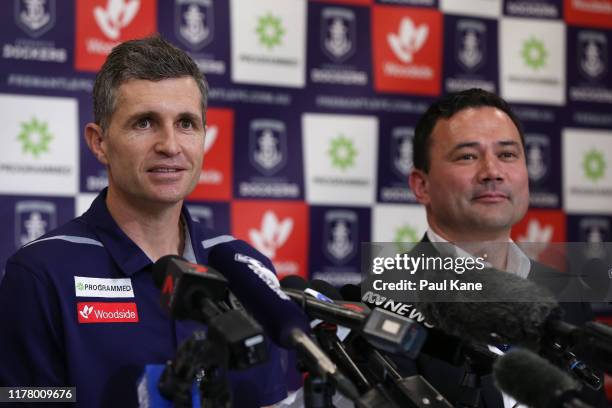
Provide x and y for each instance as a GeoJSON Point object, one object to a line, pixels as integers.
{"type": "Point", "coordinates": [216, 177]}
{"type": "Point", "coordinates": [407, 50]}
{"type": "Point", "coordinates": [587, 173]}
{"type": "Point", "coordinates": [39, 153]}
{"type": "Point", "coordinates": [532, 61]}
{"type": "Point", "coordinates": [35, 34]}
{"type": "Point", "coordinates": [201, 27]}
{"type": "Point", "coordinates": [278, 229]}
{"type": "Point", "coordinates": [103, 24]}
{"type": "Point", "coordinates": [339, 158]}
{"type": "Point", "coordinates": [395, 160]}
{"type": "Point", "coordinates": [471, 61]}
{"type": "Point", "coordinates": [535, 9]}
{"type": "Point", "coordinates": [335, 243]}
{"type": "Point", "coordinates": [268, 165]}
{"type": "Point", "coordinates": [588, 66]}
{"type": "Point", "coordinates": [338, 51]}
{"type": "Point", "coordinates": [402, 224]}
{"type": "Point", "coordinates": [268, 42]}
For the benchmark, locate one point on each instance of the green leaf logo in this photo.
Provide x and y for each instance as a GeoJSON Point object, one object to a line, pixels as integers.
{"type": "Point", "coordinates": [34, 137]}
{"type": "Point", "coordinates": [342, 152]}
{"type": "Point", "coordinates": [534, 53]}
{"type": "Point", "coordinates": [270, 30]}
{"type": "Point", "coordinates": [594, 165]}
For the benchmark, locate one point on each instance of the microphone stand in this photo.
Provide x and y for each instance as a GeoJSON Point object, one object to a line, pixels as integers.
{"type": "Point", "coordinates": [477, 363]}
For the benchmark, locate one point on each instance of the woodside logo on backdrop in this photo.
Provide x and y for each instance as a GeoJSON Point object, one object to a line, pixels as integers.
{"type": "Point", "coordinates": [103, 24]}
{"type": "Point", "coordinates": [407, 50]}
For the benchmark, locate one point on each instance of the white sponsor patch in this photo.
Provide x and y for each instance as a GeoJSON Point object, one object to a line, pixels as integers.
{"type": "Point", "coordinates": [103, 287]}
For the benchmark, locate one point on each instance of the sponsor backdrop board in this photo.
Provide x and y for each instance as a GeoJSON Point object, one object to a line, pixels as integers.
{"type": "Point", "coordinates": [312, 112]}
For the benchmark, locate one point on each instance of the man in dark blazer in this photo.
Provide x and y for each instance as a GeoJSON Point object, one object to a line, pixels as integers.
{"type": "Point", "coordinates": [470, 173]}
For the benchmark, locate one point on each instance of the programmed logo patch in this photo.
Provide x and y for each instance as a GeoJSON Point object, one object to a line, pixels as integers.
{"type": "Point", "coordinates": [268, 145]}
{"type": "Point", "coordinates": [35, 17]}
{"type": "Point", "coordinates": [103, 287]}
{"type": "Point", "coordinates": [33, 218]}
{"type": "Point", "coordinates": [107, 312]}
{"type": "Point", "coordinates": [194, 22]}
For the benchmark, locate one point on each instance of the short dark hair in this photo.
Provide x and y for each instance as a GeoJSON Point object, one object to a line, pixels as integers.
{"type": "Point", "coordinates": [152, 59]}
{"type": "Point", "coordinates": [445, 108]}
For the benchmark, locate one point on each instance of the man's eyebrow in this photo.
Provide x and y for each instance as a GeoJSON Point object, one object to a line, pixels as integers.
{"type": "Point", "coordinates": [465, 145]}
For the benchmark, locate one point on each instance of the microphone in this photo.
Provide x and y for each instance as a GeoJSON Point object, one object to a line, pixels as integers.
{"type": "Point", "coordinates": [446, 347]}
{"type": "Point", "coordinates": [534, 322]}
{"type": "Point", "coordinates": [257, 288]}
{"type": "Point", "coordinates": [533, 381]}
{"type": "Point", "coordinates": [191, 291]}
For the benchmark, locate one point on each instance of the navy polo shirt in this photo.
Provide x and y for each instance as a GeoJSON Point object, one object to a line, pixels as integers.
{"type": "Point", "coordinates": [78, 307]}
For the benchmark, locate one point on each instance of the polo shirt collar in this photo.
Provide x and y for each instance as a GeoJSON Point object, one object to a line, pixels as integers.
{"type": "Point", "coordinates": [127, 255]}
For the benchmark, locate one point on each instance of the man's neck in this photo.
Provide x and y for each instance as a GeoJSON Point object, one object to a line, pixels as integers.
{"type": "Point", "coordinates": [494, 245]}
{"type": "Point", "coordinates": [157, 230]}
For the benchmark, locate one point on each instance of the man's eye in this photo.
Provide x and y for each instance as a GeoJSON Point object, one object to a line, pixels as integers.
{"type": "Point", "coordinates": [143, 123]}
{"type": "Point", "coordinates": [186, 124]}
{"type": "Point", "coordinates": [467, 156]}
{"type": "Point", "coordinates": [508, 155]}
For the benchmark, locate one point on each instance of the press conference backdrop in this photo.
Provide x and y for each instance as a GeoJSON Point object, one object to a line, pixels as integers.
{"type": "Point", "coordinates": [312, 110]}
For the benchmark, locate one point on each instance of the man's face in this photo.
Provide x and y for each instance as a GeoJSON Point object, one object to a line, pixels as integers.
{"type": "Point", "coordinates": [154, 145]}
{"type": "Point", "coordinates": [477, 183]}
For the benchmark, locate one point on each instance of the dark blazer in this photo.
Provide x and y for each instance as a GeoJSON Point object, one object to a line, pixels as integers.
{"type": "Point", "coordinates": [446, 377]}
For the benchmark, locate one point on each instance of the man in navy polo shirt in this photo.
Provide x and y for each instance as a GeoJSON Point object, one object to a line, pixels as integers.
{"type": "Point", "coordinates": [78, 307]}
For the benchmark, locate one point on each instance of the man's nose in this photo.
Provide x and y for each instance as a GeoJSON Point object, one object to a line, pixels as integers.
{"type": "Point", "coordinates": [490, 169]}
{"type": "Point", "coordinates": [167, 142]}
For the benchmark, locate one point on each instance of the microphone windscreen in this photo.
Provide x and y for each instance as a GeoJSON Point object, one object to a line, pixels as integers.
{"type": "Point", "coordinates": [326, 289]}
{"type": "Point", "coordinates": [515, 322]}
{"type": "Point", "coordinates": [530, 379]}
{"type": "Point", "coordinates": [351, 292]}
{"type": "Point", "coordinates": [160, 268]}
{"type": "Point", "coordinates": [294, 282]}
{"type": "Point", "coordinates": [258, 289]}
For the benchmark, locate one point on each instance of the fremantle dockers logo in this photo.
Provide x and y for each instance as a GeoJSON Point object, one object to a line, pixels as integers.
{"type": "Point", "coordinates": [592, 54]}
{"type": "Point", "coordinates": [338, 33]}
{"type": "Point", "coordinates": [33, 219]}
{"type": "Point", "coordinates": [194, 22]}
{"type": "Point", "coordinates": [470, 44]}
{"type": "Point", "coordinates": [268, 145]}
{"type": "Point", "coordinates": [401, 150]}
{"type": "Point", "coordinates": [340, 243]}
{"type": "Point", "coordinates": [35, 17]}
{"type": "Point", "coordinates": [537, 150]}
{"type": "Point", "coordinates": [595, 231]}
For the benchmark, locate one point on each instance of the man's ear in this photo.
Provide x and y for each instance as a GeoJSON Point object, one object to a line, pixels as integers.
{"type": "Point", "coordinates": [94, 136]}
{"type": "Point", "coordinates": [419, 184]}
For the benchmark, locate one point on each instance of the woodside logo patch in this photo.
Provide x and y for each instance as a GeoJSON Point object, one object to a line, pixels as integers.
{"type": "Point", "coordinates": [107, 312]}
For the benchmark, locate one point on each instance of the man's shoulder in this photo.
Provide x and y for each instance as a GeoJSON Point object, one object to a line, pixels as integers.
{"type": "Point", "coordinates": [70, 239]}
